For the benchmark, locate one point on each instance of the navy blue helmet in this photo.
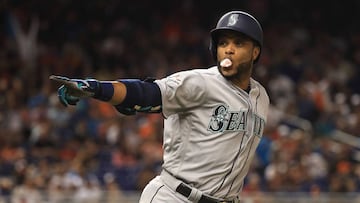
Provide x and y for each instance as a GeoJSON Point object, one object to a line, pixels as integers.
{"type": "Point", "coordinates": [238, 21]}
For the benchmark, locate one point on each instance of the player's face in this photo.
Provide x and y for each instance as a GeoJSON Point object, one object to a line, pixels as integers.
{"type": "Point", "coordinates": [241, 50]}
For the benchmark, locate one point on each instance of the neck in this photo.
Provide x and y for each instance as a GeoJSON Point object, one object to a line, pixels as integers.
{"type": "Point", "coordinates": [243, 80]}
{"type": "Point", "coordinates": [243, 84]}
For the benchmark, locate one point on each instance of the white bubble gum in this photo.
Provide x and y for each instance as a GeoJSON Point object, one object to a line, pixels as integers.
{"type": "Point", "coordinates": [226, 63]}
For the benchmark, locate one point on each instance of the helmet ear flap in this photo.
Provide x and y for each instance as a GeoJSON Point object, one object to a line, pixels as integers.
{"type": "Point", "coordinates": [258, 50]}
{"type": "Point", "coordinates": [213, 49]}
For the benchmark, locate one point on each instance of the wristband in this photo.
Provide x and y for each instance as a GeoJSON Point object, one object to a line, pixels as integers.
{"type": "Point", "coordinates": [104, 91]}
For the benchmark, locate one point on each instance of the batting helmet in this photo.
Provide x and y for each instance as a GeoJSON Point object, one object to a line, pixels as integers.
{"type": "Point", "coordinates": [238, 21]}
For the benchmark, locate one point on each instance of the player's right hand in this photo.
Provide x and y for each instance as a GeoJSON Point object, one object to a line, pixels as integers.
{"type": "Point", "coordinates": [72, 90]}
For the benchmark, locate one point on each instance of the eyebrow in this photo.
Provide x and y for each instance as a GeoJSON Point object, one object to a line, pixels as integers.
{"type": "Point", "coordinates": [232, 34]}
{"type": "Point", "coordinates": [235, 37]}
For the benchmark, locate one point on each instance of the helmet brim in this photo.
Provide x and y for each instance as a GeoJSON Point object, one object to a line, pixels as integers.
{"type": "Point", "coordinates": [215, 34]}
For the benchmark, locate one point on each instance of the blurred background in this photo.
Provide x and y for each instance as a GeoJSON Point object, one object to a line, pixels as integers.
{"type": "Point", "coordinates": [310, 65]}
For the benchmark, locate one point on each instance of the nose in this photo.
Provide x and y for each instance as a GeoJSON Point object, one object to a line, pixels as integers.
{"type": "Point", "coordinates": [229, 49]}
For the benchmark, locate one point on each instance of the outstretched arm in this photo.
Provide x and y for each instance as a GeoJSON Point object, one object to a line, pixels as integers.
{"type": "Point", "coordinates": [128, 96]}
{"type": "Point", "coordinates": [119, 93]}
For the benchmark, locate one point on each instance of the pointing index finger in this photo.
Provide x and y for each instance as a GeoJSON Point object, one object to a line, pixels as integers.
{"type": "Point", "coordinates": [64, 80]}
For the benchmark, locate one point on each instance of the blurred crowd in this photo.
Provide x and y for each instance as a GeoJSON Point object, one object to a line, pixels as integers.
{"type": "Point", "coordinates": [310, 65]}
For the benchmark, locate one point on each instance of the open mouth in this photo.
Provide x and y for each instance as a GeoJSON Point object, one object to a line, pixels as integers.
{"type": "Point", "coordinates": [226, 63]}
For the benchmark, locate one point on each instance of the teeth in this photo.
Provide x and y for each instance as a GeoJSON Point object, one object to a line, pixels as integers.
{"type": "Point", "coordinates": [226, 63]}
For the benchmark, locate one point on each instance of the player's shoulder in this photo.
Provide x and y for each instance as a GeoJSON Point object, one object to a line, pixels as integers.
{"type": "Point", "coordinates": [203, 74]}
{"type": "Point", "coordinates": [196, 73]}
{"type": "Point", "coordinates": [262, 90]}
{"type": "Point", "coordinates": [185, 78]}
{"type": "Point", "coordinates": [258, 84]}
{"type": "Point", "coordinates": [207, 71]}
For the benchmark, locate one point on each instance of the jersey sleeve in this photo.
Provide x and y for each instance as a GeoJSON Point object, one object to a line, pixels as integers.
{"type": "Point", "coordinates": [181, 92]}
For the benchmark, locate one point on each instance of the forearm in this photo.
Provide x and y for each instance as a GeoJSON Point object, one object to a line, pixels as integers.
{"type": "Point", "coordinates": [119, 93]}
{"type": "Point", "coordinates": [131, 95]}
{"type": "Point", "coordinates": [128, 96]}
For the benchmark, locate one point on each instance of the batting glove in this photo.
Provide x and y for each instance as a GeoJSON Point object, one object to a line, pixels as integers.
{"type": "Point", "coordinates": [72, 90]}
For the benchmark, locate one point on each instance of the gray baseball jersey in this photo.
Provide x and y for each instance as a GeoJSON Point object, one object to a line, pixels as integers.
{"type": "Point", "coordinates": [211, 129]}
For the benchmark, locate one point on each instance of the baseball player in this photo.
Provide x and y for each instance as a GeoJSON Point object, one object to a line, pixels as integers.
{"type": "Point", "coordinates": [213, 118]}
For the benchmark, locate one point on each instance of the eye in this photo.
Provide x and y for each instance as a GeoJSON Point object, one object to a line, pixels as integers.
{"type": "Point", "coordinates": [221, 43]}
{"type": "Point", "coordinates": [239, 42]}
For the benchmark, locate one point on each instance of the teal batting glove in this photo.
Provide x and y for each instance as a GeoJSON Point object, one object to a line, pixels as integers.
{"type": "Point", "coordinates": [72, 90]}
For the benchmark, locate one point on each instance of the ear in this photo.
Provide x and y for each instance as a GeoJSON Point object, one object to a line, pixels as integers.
{"type": "Point", "coordinates": [256, 52]}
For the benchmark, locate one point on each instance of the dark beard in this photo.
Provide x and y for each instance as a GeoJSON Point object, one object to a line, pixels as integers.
{"type": "Point", "coordinates": [243, 69]}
